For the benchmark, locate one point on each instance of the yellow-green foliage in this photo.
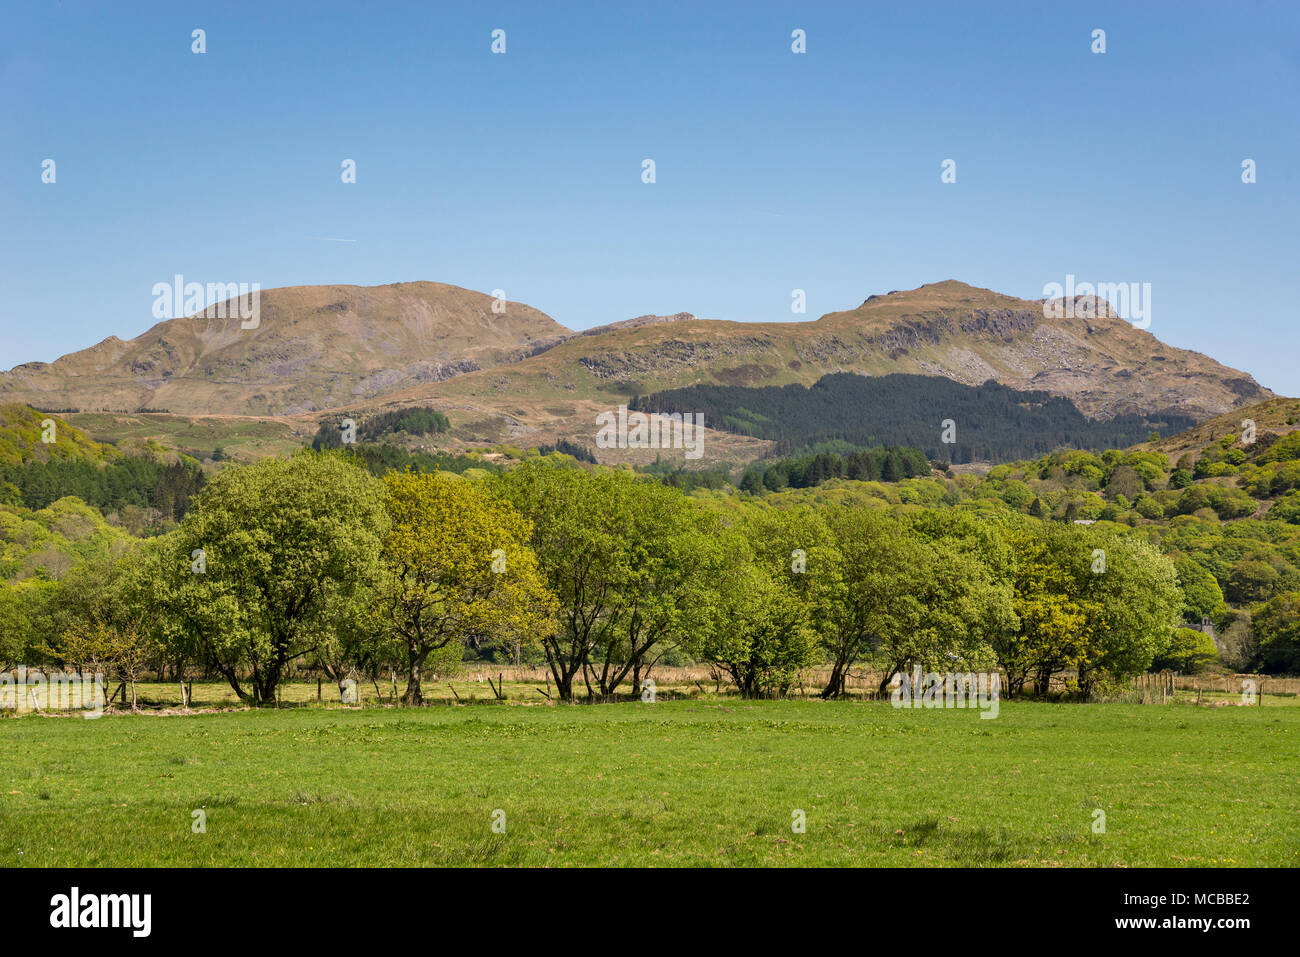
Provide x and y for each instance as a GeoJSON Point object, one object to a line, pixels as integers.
{"type": "Point", "coordinates": [21, 431]}
{"type": "Point", "coordinates": [460, 563]}
{"type": "Point", "coordinates": [49, 542]}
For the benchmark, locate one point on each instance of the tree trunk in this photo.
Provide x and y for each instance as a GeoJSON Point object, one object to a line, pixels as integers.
{"type": "Point", "coordinates": [415, 663]}
{"type": "Point", "coordinates": [835, 686]}
{"type": "Point", "coordinates": [561, 670]}
{"type": "Point", "coordinates": [884, 683]}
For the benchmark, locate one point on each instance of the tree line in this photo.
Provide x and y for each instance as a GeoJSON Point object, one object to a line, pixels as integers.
{"type": "Point", "coordinates": [140, 481]}
{"type": "Point", "coordinates": [312, 561]}
{"type": "Point", "coordinates": [808, 471]}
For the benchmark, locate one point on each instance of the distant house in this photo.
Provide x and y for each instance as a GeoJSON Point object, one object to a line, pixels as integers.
{"type": "Point", "coordinates": [1085, 521]}
{"type": "Point", "coordinates": [1205, 627]}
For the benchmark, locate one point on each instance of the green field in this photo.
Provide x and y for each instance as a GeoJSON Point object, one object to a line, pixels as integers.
{"type": "Point", "coordinates": [670, 783]}
{"type": "Point", "coordinates": [242, 438]}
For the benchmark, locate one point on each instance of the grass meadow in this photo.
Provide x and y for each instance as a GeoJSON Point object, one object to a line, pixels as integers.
{"type": "Point", "coordinates": [710, 781]}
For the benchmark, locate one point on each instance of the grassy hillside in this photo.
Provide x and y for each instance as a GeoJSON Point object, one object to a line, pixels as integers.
{"type": "Point", "coordinates": [237, 438]}
{"type": "Point", "coordinates": [1278, 415]}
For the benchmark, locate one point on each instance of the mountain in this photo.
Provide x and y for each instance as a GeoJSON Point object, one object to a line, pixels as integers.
{"type": "Point", "coordinates": [523, 377]}
{"type": "Point", "coordinates": [315, 347]}
{"type": "Point", "coordinates": [1105, 366]}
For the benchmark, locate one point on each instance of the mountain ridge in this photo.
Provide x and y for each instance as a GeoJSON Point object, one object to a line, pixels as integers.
{"type": "Point", "coordinates": [314, 347]}
{"type": "Point", "coordinates": [518, 374]}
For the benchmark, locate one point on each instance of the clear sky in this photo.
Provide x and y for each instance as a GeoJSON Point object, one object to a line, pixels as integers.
{"type": "Point", "coordinates": [775, 170]}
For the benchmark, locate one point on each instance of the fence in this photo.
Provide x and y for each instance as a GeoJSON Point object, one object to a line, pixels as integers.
{"type": "Point", "coordinates": [34, 689]}
{"type": "Point", "coordinates": [28, 690]}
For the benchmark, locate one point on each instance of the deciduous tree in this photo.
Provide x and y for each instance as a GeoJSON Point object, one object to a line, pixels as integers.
{"type": "Point", "coordinates": [284, 547]}
{"type": "Point", "coordinates": [457, 568]}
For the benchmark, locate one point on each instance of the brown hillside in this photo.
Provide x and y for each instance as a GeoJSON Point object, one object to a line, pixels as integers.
{"type": "Point", "coordinates": [316, 347]}
{"type": "Point", "coordinates": [523, 377]}
{"type": "Point", "coordinates": [1105, 366]}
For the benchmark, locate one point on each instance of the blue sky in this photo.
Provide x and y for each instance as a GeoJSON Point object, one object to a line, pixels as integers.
{"type": "Point", "coordinates": [775, 171]}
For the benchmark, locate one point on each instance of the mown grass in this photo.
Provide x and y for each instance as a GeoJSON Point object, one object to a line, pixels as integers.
{"type": "Point", "coordinates": [704, 782]}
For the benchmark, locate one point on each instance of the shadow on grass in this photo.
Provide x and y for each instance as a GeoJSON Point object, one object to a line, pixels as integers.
{"type": "Point", "coordinates": [968, 846]}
